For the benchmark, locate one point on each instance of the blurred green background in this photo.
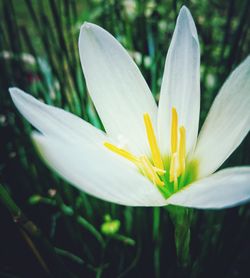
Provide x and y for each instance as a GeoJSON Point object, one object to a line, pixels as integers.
{"type": "Point", "coordinates": [66, 233]}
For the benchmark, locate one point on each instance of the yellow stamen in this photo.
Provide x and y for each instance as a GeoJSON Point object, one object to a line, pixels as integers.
{"type": "Point", "coordinates": [174, 131]}
{"type": "Point", "coordinates": [148, 170]}
{"type": "Point", "coordinates": [154, 169]}
{"type": "Point", "coordinates": [153, 143]}
{"type": "Point", "coordinates": [121, 152]}
{"type": "Point", "coordinates": [182, 150]}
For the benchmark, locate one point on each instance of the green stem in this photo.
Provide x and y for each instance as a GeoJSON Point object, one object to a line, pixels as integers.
{"type": "Point", "coordinates": [124, 239]}
{"type": "Point", "coordinates": [83, 222]}
{"type": "Point", "coordinates": [39, 245]}
{"type": "Point", "coordinates": [181, 218]}
{"type": "Point", "coordinates": [68, 211]}
{"type": "Point", "coordinates": [8, 202]}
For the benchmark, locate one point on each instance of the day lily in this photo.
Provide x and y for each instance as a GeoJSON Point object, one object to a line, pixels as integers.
{"type": "Point", "coordinates": [148, 155]}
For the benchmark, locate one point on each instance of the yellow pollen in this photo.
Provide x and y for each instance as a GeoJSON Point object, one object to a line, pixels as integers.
{"type": "Point", "coordinates": [149, 171]}
{"type": "Point", "coordinates": [182, 150]}
{"type": "Point", "coordinates": [121, 152]}
{"type": "Point", "coordinates": [174, 131]}
{"type": "Point", "coordinates": [156, 157]}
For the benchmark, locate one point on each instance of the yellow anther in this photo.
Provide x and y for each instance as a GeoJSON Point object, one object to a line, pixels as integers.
{"type": "Point", "coordinates": [121, 152]}
{"type": "Point", "coordinates": [149, 171]}
{"type": "Point", "coordinates": [156, 157]}
{"type": "Point", "coordinates": [174, 131]}
{"type": "Point", "coordinates": [182, 150]}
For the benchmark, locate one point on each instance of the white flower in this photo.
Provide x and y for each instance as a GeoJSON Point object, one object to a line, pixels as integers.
{"type": "Point", "coordinates": [148, 156]}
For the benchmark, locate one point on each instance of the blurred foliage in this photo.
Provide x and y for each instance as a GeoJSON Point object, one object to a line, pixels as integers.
{"type": "Point", "coordinates": [67, 233]}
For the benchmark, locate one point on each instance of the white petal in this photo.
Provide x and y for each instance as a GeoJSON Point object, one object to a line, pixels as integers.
{"type": "Point", "coordinates": [99, 172]}
{"type": "Point", "coordinates": [116, 86]}
{"type": "Point", "coordinates": [226, 188]}
{"type": "Point", "coordinates": [227, 123]}
{"type": "Point", "coordinates": [54, 121]}
{"type": "Point", "coordinates": [181, 82]}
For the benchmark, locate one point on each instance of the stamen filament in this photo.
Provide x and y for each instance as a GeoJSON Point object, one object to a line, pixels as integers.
{"type": "Point", "coordinates": [174, 131]}
{"type": "Point", "coordinates": [149, 171]}
{"type": "Point", "coordinates": [121, 152]}
{"type": "Point", "coordinates": [173, 172]}
{"type": "Point", "coordinates": [159, 171]}
{"type": "Point", "coordinates": [182, 150]}
{"type": "Point", "coordinates": [156, 157]}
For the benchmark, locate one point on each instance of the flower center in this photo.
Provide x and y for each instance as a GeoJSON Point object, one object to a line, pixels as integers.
{"type": "Point", "coordinates": [167, 173]}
